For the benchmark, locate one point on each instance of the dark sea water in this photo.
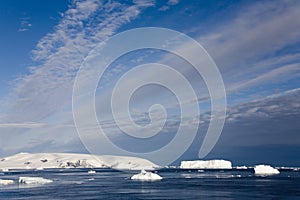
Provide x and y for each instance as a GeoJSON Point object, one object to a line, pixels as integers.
{"type": "Point", "coordinates": [176, 184]}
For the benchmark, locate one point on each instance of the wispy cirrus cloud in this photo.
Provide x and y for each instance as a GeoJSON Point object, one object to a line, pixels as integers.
{"type": "Point", "coordinates": [48, 87]}
{"type": "Point", "coordinates": [25, 24]}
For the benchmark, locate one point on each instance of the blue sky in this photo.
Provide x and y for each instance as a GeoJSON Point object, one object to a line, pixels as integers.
{"type": "Point", "coordinates": [255, 44]}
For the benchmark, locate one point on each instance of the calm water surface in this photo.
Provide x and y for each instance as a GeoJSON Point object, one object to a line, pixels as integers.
{"type": "Point", "coordinates": [176, 184]}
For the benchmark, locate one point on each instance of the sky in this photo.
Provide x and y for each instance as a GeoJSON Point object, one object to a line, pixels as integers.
{"type": "Point", "coordinates": [254, 44]}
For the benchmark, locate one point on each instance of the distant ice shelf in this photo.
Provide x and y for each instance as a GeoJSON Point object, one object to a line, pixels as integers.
{"type": "Point", "coordinates": [206, 164]}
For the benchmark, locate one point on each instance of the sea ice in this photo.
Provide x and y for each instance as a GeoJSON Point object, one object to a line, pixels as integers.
{"type": "Point", "coordinates": [6, 182]}
{"type": "Point", "coordinates": [146, 176]}
{"type": "Point", "coordinates": [34, 180]}
{"type": "Point", "coordinates": [91, 172]}
{"type": "Point", "coordinates": [265, 170]}
{"type": "Point", "coordinates": [206, 164]}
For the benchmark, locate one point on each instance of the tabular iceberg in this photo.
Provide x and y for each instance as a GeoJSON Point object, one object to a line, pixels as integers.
{"type": "Point", "coordinates": [206, 164]}
{"type": "Point", "coordinates": [34, 180]}
{"type": "Point", "coordinates": [265, 170]}
{"type": "Point", "coordinates": [146, 176]}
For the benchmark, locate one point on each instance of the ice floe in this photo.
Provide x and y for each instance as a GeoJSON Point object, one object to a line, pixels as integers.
{"type": "Point", "coordinates": [34, 180]}
{"type": "Point", "coordinates": [6, 182]}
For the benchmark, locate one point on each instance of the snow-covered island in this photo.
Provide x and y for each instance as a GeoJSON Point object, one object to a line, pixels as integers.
{"type": "Point", "coordinates": [206, 164]}
{"type": "Point", "coordinates": [68, 160]}
{"type": "Point", "coordinates": [264, 170]}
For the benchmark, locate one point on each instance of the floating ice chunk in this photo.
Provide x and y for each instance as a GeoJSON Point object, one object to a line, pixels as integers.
{"type": "Point", "coordinates": [91, 172]}
{"type": "Point", "coordinates": [4, 170]}
{"type": "Point", "coordinates": [241, 167]}
{"type": "Point", "coordinates": [146, 176]}
{"type": "Point", "coordinates": [6, 182]}
{"type": "Point", "coordinates": [206, 164]}
{"type": "Point", "coordinates": [265, 170]}
{"type": "Point", "coordinates": [34, 180]}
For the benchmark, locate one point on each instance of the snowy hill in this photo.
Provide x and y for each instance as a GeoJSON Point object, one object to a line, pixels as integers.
{"type": "Point", "coordinates": [67, 160]}
{"type": "Point", "coordinates": [206, 164]}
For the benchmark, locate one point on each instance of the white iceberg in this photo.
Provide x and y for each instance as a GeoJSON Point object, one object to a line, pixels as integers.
{"type": "Point", "coordinates": [241, 167]}
{"type": "Point", "coordinates": [34, 180]}
{"type": "Point", "coordinates": [91, 172]}
{"type": "Point", "coordinates": [6, 182]}
{"type": "Point", "coordinates": [206, 164]}
{"type": "Point", "coordinates": [146, 176]}
{"type": "Point", "coordinates": [265, 170]}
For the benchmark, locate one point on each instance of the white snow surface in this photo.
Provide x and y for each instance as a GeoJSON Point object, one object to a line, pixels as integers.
{"type": "Point", "coordinates": [146, 176]}
{"type": "Point", "coordinates": [206, 164]}
{"type": "Point", "coordinates": [6, 182]}
{"type": "Point", "coordinates": [34, 180]}
{"type": "Point", "coordinates": [68, 160]}
{"type": "Point", "coordinates": [265, 170]}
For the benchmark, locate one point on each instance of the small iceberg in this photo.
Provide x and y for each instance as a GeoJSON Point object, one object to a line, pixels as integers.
{"type": "Point", "coordinates": [241, 167]}
{"type": "Point", "coordinates": [265, 170]}
{"type": "Point", "coordinates": [34, 180]}
{"type": "Point", "coordinates": [6, 182]}
{"type": "Point", "coordinates": [91, 172]}
{"type": "Point", "coordinates": [146, 176]}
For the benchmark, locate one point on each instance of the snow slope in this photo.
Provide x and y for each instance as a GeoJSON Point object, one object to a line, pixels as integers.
{"type": "Point", "coordinates": [206, 164]}
{"type": "Point", "coordinates": [67, 160]}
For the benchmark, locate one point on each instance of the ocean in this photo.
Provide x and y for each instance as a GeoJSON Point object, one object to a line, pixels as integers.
{"type": "Point", "coordinates": [176, 184]}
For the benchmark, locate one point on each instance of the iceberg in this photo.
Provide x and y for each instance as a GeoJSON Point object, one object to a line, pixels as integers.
{"type": "Point", "coordinates": [6, 182]}
{"type": "Point", "coordinates": [146, 176]}
{"type": "Point", "coordinates": [34, 180]}
{"type": "Point", "coordinates": [206, 164]}
{"type": "Point", "coordinates": [91, 172]}
{"type": "Point", "coordinates": [265, 170]}
{"type": "Point", "coordinates": [241, 167]}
